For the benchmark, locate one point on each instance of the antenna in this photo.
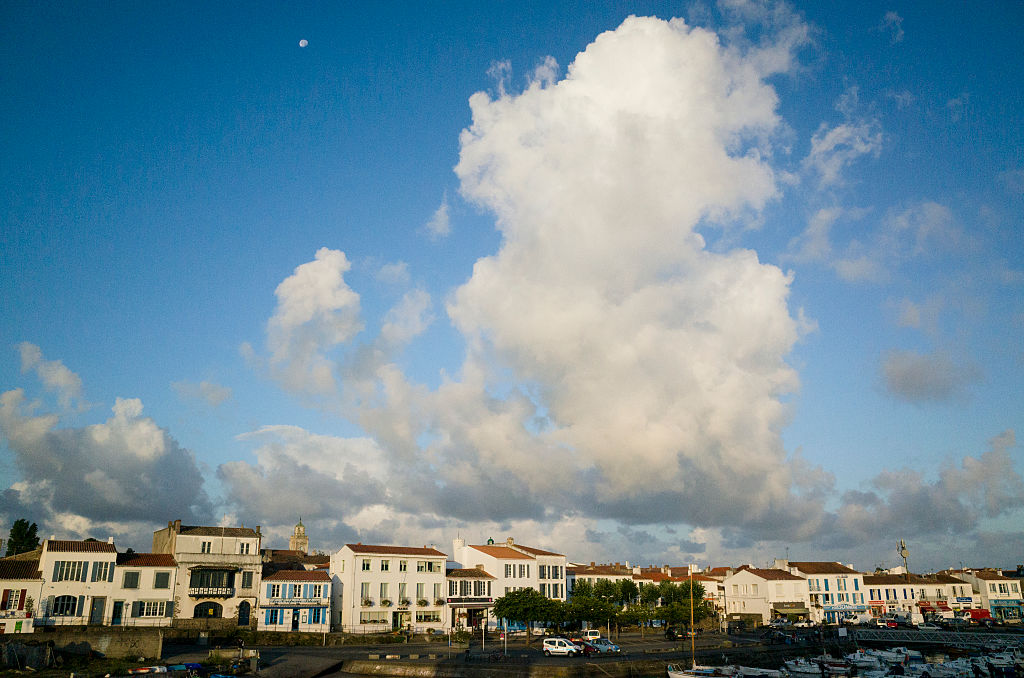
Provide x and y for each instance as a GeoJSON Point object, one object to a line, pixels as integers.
{"type": "Point", "coordinates": [904, 552]}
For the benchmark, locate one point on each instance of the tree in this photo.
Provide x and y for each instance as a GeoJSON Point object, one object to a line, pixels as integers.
{"type": "Point", "coordinates": [525, 606]}
{"type": "Point", "coordinates": [22, 538]}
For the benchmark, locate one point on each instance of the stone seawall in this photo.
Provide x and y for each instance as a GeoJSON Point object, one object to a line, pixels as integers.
{"type": "Point", "coordinates": [456, 668]}
{"type": "Point", "coordinates": [116, 643]}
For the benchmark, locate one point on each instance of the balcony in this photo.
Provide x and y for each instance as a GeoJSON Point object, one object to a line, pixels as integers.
{"type": "Point", "coordinates": [211, 592]}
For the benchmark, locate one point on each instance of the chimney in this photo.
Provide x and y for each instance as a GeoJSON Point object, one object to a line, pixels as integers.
{"type": "Point", "coordinates": [592, 563]}
{"type": "Point", "coordinates": [110, 540]}
{"type": "Point", "coordinates": [509, 541]}
{"type": "Point", "coordinates": [177, 525]}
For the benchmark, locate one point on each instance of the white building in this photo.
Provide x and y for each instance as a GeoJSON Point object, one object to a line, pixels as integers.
{"type": "Point", "coordinates": [938, 594]}
{"type": "Point", "coordinates": [515, 566]}
{"type": "Point", "coordinates": [218, 574]}
{"type": "Point", "coordinates": [77, 582]}
{"type": "Point", "coordinates": [296, 600]}
{"type": "Point", "coordinates": [143, 593]}
{"type": "Point", "coordinates": [835, 590]}
{"type": "Point", "coordinates": [470, 597]}
{"type": "Point", "coordinates": [20, 585]}
{"type": "Point", "coordinates": [1000, 594]}
{"type": "Point", "coordinates": [377, 588]}
{"type": "Point", "coordinates": [767, 593]}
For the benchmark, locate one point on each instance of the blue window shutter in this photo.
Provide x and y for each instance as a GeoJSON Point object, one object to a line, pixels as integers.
{"type": "Point", "coordinates": [81, 606]}
{"type": "Point", "coordinates": [268, 594]}
{"type": "Point", "coordinates": [56, 571]}
{"type": "Point", "coordinates": [305, 590]}
{"type": "Point", "coordinates": [110, 572]}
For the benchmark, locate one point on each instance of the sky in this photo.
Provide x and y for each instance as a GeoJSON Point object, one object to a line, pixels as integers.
{"type": "Point", "coordinates": [655, 282]}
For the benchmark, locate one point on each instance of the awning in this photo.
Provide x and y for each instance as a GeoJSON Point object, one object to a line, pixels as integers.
{"type": "Point", "coordinates": [793, 610]}
{"type": "Point", "coordinates": [944, 607]}
{"type": "Point", "coordinates": [926, 608]}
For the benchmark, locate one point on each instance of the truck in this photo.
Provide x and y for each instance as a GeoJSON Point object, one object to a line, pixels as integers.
{"type": "Point", "coordinates": [977, 616]}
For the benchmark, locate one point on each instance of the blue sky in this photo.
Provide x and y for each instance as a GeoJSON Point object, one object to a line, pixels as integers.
{"type": "Point", "coordinates": [697, 285]}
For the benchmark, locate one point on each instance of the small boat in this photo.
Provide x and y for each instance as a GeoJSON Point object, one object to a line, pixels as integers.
{"type": "Point", "coordinates": [695, 671]}
{"type": "Point", "coordinates": [147, 669]}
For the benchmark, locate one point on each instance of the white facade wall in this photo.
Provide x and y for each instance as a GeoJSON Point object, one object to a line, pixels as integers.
{"type": "Point", "coordinates": [749, 593]}
{"type": "Point", "coordinates": [77, 583]}
{"type": "Point", "coordinates": [296, 606]}
{"type": "Point", "coordinates": [511, 569]}
{"type": "Point", "coordinates": [144, 594]}
{"type": "Point", "coordinates": [378, 589]}
{"type": "Point", "coordinates": [18, 600]}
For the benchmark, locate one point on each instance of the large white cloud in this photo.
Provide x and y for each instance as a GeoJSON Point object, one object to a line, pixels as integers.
{"type": "Point", "coordinates": [120, 477]}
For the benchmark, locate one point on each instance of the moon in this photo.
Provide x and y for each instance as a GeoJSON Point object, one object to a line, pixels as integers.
{"type": "Point", "coordinates": [303, 42]}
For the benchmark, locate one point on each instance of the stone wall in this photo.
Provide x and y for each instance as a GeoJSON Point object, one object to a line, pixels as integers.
{"type": "Point", "coordinates": [115, 643]}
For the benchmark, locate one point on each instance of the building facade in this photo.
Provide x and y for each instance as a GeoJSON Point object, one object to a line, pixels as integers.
{"type": "Point", "coordinates": [835, 590]}
{"type": "Point", "coordinates": [77, 582]}
{"type": "Point", "coordinates": [766, 594]}
{"type": "Point", "coordinates": [144, 585]}
{"type": "Point", "coordinates": [379, 588]}
{"type": "Point", "coordinates": [296, 600]}
{"type": "Point", "coordinates": [219, 571]}
{"type": "Point", "coordinates": [20, 586]}
{"type": "Point", "coordinates": [470, 598]}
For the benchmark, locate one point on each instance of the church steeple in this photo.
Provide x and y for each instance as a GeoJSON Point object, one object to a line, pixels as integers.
{"type": "Point", "coordinates": [299, 541]}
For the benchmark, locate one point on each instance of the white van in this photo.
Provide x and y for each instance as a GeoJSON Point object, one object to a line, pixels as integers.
{"type": "Point", "coordinates": [560, 646]}
{"type": "Point", "coordinates": [590, 634]}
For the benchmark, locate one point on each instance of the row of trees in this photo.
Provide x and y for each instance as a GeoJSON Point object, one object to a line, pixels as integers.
{"type": "Point", "coordinates": [621, 603]}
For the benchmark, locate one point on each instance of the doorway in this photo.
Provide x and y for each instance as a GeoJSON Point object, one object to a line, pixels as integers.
{"type": "Point", "coordinates": [117, 613]}
{"type": "Point", "coordinates": [295, 620]}
{"type": "Point", "coordinates": [96, 611]}
{"type": "Point", "coordinates": [243, 613]}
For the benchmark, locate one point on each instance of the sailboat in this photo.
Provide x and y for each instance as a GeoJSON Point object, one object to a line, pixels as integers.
{"type": "Point", "coordinates": [694, 671]}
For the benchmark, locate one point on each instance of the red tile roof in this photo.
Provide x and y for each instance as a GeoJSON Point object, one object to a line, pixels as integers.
{"type": "Point", "coordinates": [298, 575]}
{"type": "Point", "coordinates": [815, 567]}
{"type": "Point", "coordinates": [75, 546]}
{"type": "Point", "coordinates": [772, 574]}
{"type": "Point", "coordinates": [601, 570]}
{"type": "Point", "coordinates": [20, 569]}
{"type": "Point", "coordinates": [468, 573]}
{"type": "Point", "coordinates": [146, 560]}
{"type": "Point", "coordinates": [502, 552]}
{"type": "Point", "coordinates": [538, 552]}
{"type": "Point", "coordinates": [395, 550]}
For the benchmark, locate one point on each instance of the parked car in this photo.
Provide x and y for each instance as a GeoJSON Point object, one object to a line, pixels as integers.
{"type": "Point", "coordinates": [587, 649]}
{"type": "Point", "coordinates": [803, 624]}
{"type": "Point", "coordinates": [676, 632]}
{"type": "Point", "coordinates": [928, 626]}
{"type": "Point", "coordinates": [605, 646]}
{"type": "Point", "coordinates": [588, 635]}
{"type": "Point", "coordinates": [560, 646]}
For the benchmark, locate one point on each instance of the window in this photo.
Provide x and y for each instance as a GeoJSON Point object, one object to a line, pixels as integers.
{"type": "Point", "coordinates": [316, 591]}
{"type": "Point", "coordinates": [162, 580]}
{"type": "Point", "coordinates": [478, 588]}
{"type": "Point", "coordinates": [296, 590]}
{"type": "Point", "coordinates": [11, 598]}
{"type": "Point", "coordinates": [508, 571]}
{"type": "Point", "coordinates": [522, 571]}
{"type": "Point", "coordinates": [856, 584]}
{"type": "Point", "coordinates": [315, 616]}
{"type": "Point", "coordinates": [148, 608]}
{"type": "Point", "coordinates": [1013, 586]}
{"type": "Point", "coordinates": [542, 572]}
{"type": "Point", "coordinates": [419, 589]}
{"type": "Point", "coordinates": [403, 565]}
{"type": "Point", "coordinates": [385, 565]}
{"type": "Point", "coordinates": [383, 590]}
{"type": "Point", "coordinates": [275, 590]}
{"type": "Point", "coordinates": [374, 617]}
{"type": "Point", "coordinates": [247, 580]}
{"type": "Point", "coordinates": [69, 570]}
{"type": "Point", "coordinates": [1003, 588]}
{"type": "Point", "coordinates": [992, 588]}
{"type": "Point", "coordinates": [273, 616]}
{"type": "Point", "coordinates": [430, 616]}
{"type": "Point", "coordinates": [206, 547]}
{"type": "Point", "coordinates": [204, 579]}
{"type": "Point", "coordinates": [437, 591]}
{"type": "Point", "coordinates": [366, 564]}
{"type": "Point", "coordinates": [427, 566]}
{"type": "Point", "coordinates": [364, 590]}
{"type": "Point", "coordinates": [102, 571]}
{"type": "Point", "coordinates": [402, 591]}
{"type": "Point", "coordinates": [544, 590]}
{"type": "Point", "coordinates": [243, 548]}
{"type": "Point", "coordinates": [131, 580]}
{"type": "Point", "coordinates": [64, 606]}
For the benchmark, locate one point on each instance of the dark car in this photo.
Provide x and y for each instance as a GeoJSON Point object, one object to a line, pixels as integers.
{"type": "Point", "coordinates": [676, 632]}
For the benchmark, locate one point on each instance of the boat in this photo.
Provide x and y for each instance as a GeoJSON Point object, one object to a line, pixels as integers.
{"type": "Point", "coordinates": [695, 671]}
{"type": "Point", "coordinates": [147, 669]}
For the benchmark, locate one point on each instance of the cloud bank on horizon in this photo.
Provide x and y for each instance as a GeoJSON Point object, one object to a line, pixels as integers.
{"type": "Point", "coordinates": [621, 376]}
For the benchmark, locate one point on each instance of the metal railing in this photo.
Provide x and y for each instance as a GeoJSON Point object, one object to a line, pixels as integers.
{"type": "Point", "coordinates": [211, 592]}
{"type": "Point", "coordinates": [962, 639]}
